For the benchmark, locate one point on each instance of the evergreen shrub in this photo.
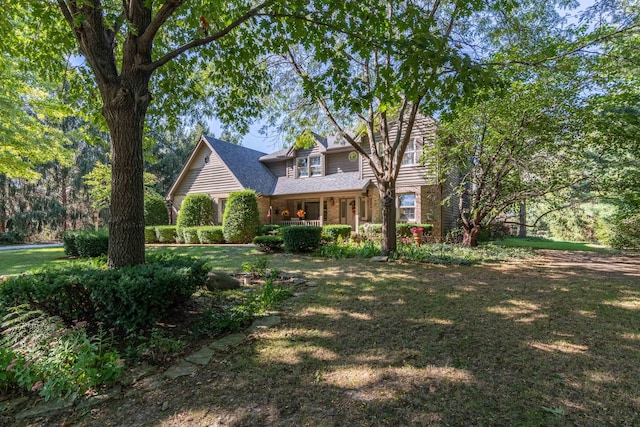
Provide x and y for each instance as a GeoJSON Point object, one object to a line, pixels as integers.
{"type": "Point", "coordinates": [92, 244]}
{"type": "Point", "coordinates": [211, 234]}
{"type": "Point", "coordinates": [69, 243]}
{"type": "Point", "coordinates": [190, 235]}
{"type": "Point", "coordinates": [268, 243]}
{"type": "Point", "coordinates": [196, 210]}
{"type": "Point", "coordinates": [155, 209]}
{"type": "Point", "coordinates": [166, 233]}
{"type": "Point", "coordinates": [301, 238]}
{"type": "Point", "coordinates": [241, 217]}
{"type": "Point", "coordinates": [268, 230]}
{"type": "Point", "coordinates": [150, 234]}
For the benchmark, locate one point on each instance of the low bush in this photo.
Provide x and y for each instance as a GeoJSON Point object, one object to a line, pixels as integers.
{"type": "Point", "coordinates": [90, 244]}
{"type": "Point", "coordinates": [150, 234]}
{"type": "Point", "coordinates": [268, 230]}
{"type": "Point", "coordinates": [69, 243]}
{"type": "Point", "coordinates": [155, 209]}
{"type": "Point", "coordinates": [11, 238]}
{"type": "Point", "coordinates": [625, 232]}
{"type": "Point", "coordinates": [129, 298]}
{"type": "Point", "coordinates": [332, 232]}
{"type": "Point", "coordinates": [301, 238]}
{"type": "Point", "coordinates": [403, 229]}
{"type": "Point", "coordinates": [268, 243]}
{"type": "Point", "coordinates": [211, 234]}
{"type": "Point", "coordinates": [350, 249]}
{"type": "Point", "coordinates": [190, 235]}
{"type": "Point", "coordinates": [166, 233]}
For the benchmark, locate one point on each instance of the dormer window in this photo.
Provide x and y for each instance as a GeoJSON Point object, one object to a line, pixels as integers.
{"type": "Point", "coordinates": [308, 166]}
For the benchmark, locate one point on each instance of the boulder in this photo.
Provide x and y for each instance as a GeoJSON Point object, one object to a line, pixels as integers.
{"type": "Point", "coordinates": [217, 280]}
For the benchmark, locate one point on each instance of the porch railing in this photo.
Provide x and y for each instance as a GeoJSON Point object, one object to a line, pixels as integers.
{"type": "Point", "coordinates": [315, 222]}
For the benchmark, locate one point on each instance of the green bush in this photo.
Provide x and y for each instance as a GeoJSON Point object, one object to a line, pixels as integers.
{"type": "Point", "coordinates": [92, 244]}
{"type": "Point", "coordinates": [11, 238]}
{"type": "Point", "coordinates": [331, 232]}
{"type": "Point", "coordinates": [69, 243]}
{"type": "Point", "coordinates": [211, 234]}
{"type": "Point", "coordinates": [268, 230]}
{"type": "Point", "coordinates": [129, 298]}
{"type": "Point", "coordinates": [301, 238]}
{"type": "Point", "coordinates": [241, 217]}
{"type": "Point", "coordinates": [155, 209]}
{"type": "Point", "coordinates": [268, 243]}
{"type": "Point", "coordinates": [625, 232]}
{"type": "Point", "coordinates": [196, 210]}
{"type": "Point", "coordinates": [350, 249]}
{"type": "Point", "coordinates": [150, 234]}
{"type": "Point", "coordinates": [190, 235]}
{"type": "Point", "coordinates": [166, 233]}
{"type": "Point", "coordinates": [403, 229]}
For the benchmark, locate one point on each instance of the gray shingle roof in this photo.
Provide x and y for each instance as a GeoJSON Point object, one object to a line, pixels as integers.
{"type": "Point", "coordinates": [346, 181]}
{"type": "Point", "coordinates": [245, 164]}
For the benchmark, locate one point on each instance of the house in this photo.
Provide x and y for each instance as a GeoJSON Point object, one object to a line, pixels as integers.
{"type": "Point", "coordinates": [330, 182]}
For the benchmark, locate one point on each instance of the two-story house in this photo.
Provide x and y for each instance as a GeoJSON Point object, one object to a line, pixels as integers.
{"type": "Point", "coordinates": [330, 182]}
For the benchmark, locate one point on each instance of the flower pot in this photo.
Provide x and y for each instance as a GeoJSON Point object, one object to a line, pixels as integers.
{"type": "Point", "coordinates": [417, 237]}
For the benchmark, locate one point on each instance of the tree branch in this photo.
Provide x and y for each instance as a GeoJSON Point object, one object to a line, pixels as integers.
{"type": "Point", "coordinates": [161, 17]}
{"type": "Point", "coordinates": [206, 40]}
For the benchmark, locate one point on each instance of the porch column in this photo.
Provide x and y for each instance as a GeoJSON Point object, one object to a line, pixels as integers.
{"type": "Point", "coordinates": [357, 218]}
{"type": "Point", "coordinates": [321, 216]}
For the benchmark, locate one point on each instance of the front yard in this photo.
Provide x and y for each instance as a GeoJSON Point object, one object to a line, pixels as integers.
{"type": "Point", "coordinates": [551, 340]}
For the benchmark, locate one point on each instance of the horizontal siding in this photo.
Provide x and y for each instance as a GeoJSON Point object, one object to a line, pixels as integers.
{"type": "Point", "coordinates": [209, 178]}
{"type": "Point", "coordinates": [278, 168]}
{"type": "Point", "coordinates": [412, 175]}
{"type": "Point", "coordinates": [339, 162]}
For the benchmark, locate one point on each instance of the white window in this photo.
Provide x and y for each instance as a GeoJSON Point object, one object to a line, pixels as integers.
{"type": "Point", "coordinates": [407, 207]}
{"type": "Point", "coordinates": [409, 157]}
{"type": "Point", "coordinates": [302, 166]}
{"type": "Point", "coordinates": [315, 165]}
{"type": "Point", "coordinates": [308, 166]}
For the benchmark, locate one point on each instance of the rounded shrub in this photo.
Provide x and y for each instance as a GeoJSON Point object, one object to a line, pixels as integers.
{"type": "Point", "coordinates": [69, 243]}
{"type": "Point", "coordinates": [166, 233]}
{"type": "Point", "coordinates": [301, 238]}
{"type": "Point", "coordinates": [241, 217]}
{"type": "Point", "coordinates": [268, 229]}
{"type": "Point", "coordinates": [155, 209]}
{"type": "Point", "coordinates": [196, 209]}
{"type": "Point", "coordinates": [268, 243]}
{"type": "Point", "coordinates": [211, 234]}
{"type": "Point", "coordinates": [332, 232]}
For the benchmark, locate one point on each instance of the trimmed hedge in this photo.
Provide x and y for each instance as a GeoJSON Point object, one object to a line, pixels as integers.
{"type": "Point", "coordinates": [90, 244]}
{"type": "Point", "coordinates": [211, 234]}
{"type": "Point", "coordinates": [11, 238]}
{"type": "Point", "coordinates": [189, 235]}
{"type": "Point", "coordinates": [196, 210]}
{"type": "Point", "coordinates": [129, 298]}
{"type": "Point", "coordinates": [69, 243]}
{"type": "Point", "coordinates": [150, 234]}
{"type": "Point", "coordinates": [301, 238]}
{"type": "Point", "coordinates": [166, 233]}
{"type": "Point", "coordinates": [268, 243]}
{"type": "Point", "coordinates": [331, 232]}
{"type": "Point", "coordinates": [241, 217]}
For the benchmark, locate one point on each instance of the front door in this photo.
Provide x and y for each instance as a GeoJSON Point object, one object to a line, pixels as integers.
{"type": "Point", "coordinates": [348, 212]}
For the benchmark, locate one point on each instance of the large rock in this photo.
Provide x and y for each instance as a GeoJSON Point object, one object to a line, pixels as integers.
{"type": "Point", "coordinates": [218, 280]}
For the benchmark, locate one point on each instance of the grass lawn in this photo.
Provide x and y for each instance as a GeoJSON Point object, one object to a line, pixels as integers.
{"type": "Point", "coordinates": [20, 260]}
{"type": "Point", "coordinates": [544, 341]}
{"type": "Point", "coordinates": [540, 243]}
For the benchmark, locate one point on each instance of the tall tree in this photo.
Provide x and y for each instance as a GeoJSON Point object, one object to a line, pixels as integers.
{"type": "Point", "coordinates": [374, 75]}
{"type": "Point", "coordinates": [137, 48]}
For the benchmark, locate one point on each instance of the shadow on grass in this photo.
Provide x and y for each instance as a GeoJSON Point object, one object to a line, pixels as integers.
{"type": "Point", "coordinates": [533, 343]}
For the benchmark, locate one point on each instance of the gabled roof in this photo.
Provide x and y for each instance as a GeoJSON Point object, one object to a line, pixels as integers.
{"type": "Point", "coordinates": [290, 152]}
{"type": "Point", "coordinates": [344, 181]}
{"type": "Point", "coordinates": [244, 164]}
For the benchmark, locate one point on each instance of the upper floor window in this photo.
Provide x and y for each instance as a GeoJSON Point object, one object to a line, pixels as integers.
{"type": "Point", "coordinates": [411, 153]}
{"type": "Point", "coordinates": [308, 166]}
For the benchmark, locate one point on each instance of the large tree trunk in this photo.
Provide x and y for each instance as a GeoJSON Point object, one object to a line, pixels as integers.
{"type": "Point", "coordinates": [470, 236]}
{"type": "Point", "coordinates": [388, 202]}
{"type": "Point", "coordinates": [125, 113]}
